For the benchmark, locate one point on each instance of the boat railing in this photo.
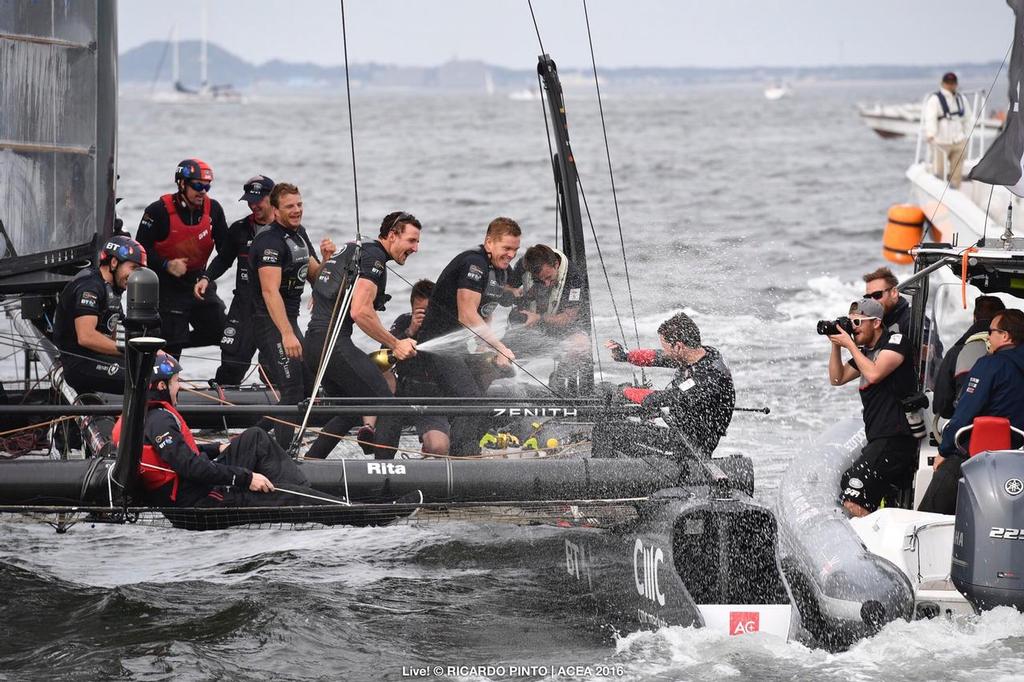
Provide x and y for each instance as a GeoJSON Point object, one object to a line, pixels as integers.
{"type": "Point", "coordinates": [977, 142]}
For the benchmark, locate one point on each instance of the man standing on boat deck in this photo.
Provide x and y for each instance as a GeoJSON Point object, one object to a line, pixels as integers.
{"type": "Point", "coordinates": [88, 311]}
{"type": "Point", "coordinates": [464, 297]}
{"type": "Point", "coordinates": [179, 231]}
{"type": "Point", "coordinates": [994, 388]}
{"type": "Point", "coordinates": [350, 372]}
{"type": "Point", "coordinates": [281, 256]}
{"type": "Point", "coordinates": [883, 361]}
{"type": "Point", "coordinates": [697, 404]}
{"type": "Point", "coordinates": [175, 471]}
{"type": "Point", "coordinates": [947, 125]}
{"type": "Point", "coordinates": [238, 343]}
{"type": "Point", "coordinates": [880, 285]}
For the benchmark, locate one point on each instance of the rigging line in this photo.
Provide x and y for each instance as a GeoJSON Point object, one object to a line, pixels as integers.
{"type": "Point", "coordinates": [967, 142]}
{"type": "Point", "coordinates": [478, 335]}
{"type": "Point", "coordinates": [551, 152]}
{"type": "Point", "coordinates": [351, 131]}
{"type": "Point", "coordinates": [611, 174]}
{"type": "Point", "coordinates": [535, 27]}
{"type": "Point", "coordinates": [600, 257]}
{"type": "Point", "coordinates": [984, 227]}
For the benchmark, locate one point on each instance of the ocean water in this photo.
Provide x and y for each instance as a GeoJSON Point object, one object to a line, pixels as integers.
{"type": "Point", "coordinates": [756, 217]}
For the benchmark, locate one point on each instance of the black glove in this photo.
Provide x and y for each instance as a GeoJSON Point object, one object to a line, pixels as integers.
{"type": "Point", "coordinates": [618, 352]}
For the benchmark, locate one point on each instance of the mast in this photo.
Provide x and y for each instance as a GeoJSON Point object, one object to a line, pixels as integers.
{"type": "Point", "coordinates": [176, 60]}
{"type": "Point", "coordinates": [203, 80]}
{"type": "Point", "coordinates": [570, 216]}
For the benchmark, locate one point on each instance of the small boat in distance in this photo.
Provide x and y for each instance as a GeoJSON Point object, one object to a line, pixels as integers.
{"type": "Point", "coordinates": [777, 91]}
{"type": "Point", "coordinates": [181, 94]}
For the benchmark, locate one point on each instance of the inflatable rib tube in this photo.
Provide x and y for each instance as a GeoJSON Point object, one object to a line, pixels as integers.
{"type": "Point", "coordinates": [843, 591]}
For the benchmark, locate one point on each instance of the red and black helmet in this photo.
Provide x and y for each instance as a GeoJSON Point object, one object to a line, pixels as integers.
{"type": "Point", "coordinates": [124, 249]}
{"type": "Point", "coordinates": [193, 170]}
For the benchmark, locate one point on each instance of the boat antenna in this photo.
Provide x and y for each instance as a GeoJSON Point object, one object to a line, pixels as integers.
{"type": "Point", "coordinates": [343, 300]}
{"type": "Point", "coordinates": [611, 178]}
{"type": "Point", "coordinates": [536, 27]}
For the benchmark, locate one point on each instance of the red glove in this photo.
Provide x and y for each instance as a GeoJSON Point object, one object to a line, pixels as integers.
{"type": "Point", "coordinates": [635, 394]}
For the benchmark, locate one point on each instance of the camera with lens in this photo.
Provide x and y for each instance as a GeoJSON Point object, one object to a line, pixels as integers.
{"type": "Point", "coordinates": [832, 327]}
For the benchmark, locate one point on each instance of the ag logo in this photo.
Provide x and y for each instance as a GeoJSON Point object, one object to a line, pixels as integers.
{"type": "Point", "coordinates": [1014, 486]}
{"type": "Point", "coordinates": [112, 369]}
{"type": "Point", "coordinates": [856, 483]}
{"type": "Point", "coordinates": [112, 322]}
{"type": "Point", "coordinates": [744, 622]}
{"type": "Point", "coordinates": [229, 332]}
{"type": "Point", "coordinates": [302, 272]}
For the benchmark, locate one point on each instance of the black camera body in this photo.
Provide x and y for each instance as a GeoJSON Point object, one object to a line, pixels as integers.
{"type": "Point", "coordinates": [832, 327]}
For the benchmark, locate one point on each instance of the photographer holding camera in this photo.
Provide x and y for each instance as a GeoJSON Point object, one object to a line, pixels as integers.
{"type": "Point", "coordinates": [883, 360]}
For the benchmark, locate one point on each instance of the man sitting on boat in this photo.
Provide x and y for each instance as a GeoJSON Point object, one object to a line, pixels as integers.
{"type": "Point", "coordinates": [960, 359]}
{"type": "Point", "coordinates": [238, 343]}
{"type": "Point", "coordinates": [883, 361]}
{"type": "Point", "coordinates": [179, 232]}
{"type": "Point", "coordinates": [176, 472]}
{"type": "Point", "coordinates": [880, 285]}
{"type": "Point", "coordinates": [350, 372]}
{"type": "Point", "coordinates": [994, 388]}
{"type": "Point", "coordinates": [85, 324]}
{"type": "Point", "coordinates": [464, 298]}
{"type": "Point", "coordinates": [947, 125]}
{"type": "Point", "coordinates": [698, 403]}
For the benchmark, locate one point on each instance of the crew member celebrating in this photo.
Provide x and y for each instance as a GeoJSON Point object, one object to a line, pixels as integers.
{"type": "Point", "coordinates": [699, 401]}
{"type": "Point", "coordinates": [282, 257]}
{"type": "Point", "coordinates": [175, 471]}
{"type": "Point", "coordinates": [350, 372]}
{"type": "Point", "coordinates": [238, 342]}
{"type": "Point", "coordinates": [85, 324]}
{"type": "Point", "coordinates": [464, 297]}
{"type": "Point", "coordinates": [179, 232]}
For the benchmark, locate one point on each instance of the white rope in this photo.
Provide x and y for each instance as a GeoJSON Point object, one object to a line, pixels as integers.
{"type": "Point", "coordinates": [342, 503]}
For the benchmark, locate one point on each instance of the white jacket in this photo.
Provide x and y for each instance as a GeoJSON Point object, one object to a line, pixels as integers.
{"type": "Point", "coordinates": [947, 130]}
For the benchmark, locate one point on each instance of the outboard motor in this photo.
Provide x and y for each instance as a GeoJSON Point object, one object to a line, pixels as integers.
{"type": "Point", "coordinates": [988, 540]}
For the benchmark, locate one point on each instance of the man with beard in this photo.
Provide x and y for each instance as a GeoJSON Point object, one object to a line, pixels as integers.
{"type": "Point", "coordinates": [179, 232]}
{"type": "Point", "coordinates": [85, 324]}
{"type": "Point", "coordinates": [282, 257]}
{"type": "Point", "coordinates": [350, 372]}
{"type": "Point", "coordinates": [464, 297]}
{"type": "Point", "coordinates": [238, 343]}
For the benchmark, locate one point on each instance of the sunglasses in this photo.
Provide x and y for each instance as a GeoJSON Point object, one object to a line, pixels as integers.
{"type": "Point", "coordinates": [997, 329]}
{"type": "Point", "coordinates": [877, 295]}
{"type": "Point", "coordinates": [856, 321]}
{"type": "Point", "coordinates": [199, 186]}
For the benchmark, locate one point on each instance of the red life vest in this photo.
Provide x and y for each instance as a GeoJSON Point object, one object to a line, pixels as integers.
{"type": "Point", "coordinates": [192, 242]}
{"type": "Point", "coordinates": [154, 472]}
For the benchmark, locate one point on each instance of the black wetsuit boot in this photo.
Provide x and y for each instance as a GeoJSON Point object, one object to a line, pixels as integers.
{"type": "Point", "coordinates": [288, 375]}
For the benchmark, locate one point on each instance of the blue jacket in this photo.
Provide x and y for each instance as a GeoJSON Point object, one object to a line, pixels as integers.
{"type": "Point", "coordinates": [994, 388]}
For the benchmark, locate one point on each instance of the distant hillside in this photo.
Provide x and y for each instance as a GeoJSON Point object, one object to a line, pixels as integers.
{"type": "Point", "coordinates": [152, 62]}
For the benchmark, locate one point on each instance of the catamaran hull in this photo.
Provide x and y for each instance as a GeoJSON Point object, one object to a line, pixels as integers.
{"type": "Point", "coordinates": [843, 591]}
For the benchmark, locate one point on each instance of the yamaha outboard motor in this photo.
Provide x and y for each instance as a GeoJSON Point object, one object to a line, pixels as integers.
{"type": "Point", "coordinates": [988, 542]}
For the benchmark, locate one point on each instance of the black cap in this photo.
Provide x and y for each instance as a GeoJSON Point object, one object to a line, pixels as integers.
{"type": "Point", "coordinates": [256, 188]}
{"type": "Point", "coordinates": [949, 77]}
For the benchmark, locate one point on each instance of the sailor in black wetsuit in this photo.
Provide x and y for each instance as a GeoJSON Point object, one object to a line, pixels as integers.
{"type": "Point", "coordinates": [350, 372]}
{"type": "Point", "coordinates": [281, 260]}
{"type": "Point", "coordinates": [464, 297]}
{"type": "Point", "coordinates": [88, 311]}
{"type": "Point", "coordinates": [175, 471]}
{"type": "Point", "coordinates": [239, 342]}
{"type": "Point", "coordinates": [697, 404]}
{"type": "Point", "coordinates": [179, 231]}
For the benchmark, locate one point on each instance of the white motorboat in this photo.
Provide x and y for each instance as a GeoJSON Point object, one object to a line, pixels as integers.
{"type": "Point", "coordinates": [777, 92]}
{"type": "Point", "coordinates": [904, 120]}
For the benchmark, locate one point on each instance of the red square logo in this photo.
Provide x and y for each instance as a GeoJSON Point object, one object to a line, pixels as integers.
{"type": "Point", "coordinates": [744, 622]}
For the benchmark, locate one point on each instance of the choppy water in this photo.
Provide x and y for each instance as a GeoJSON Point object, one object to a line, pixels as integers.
{"type": "Point", "coordinates": [758, 218]}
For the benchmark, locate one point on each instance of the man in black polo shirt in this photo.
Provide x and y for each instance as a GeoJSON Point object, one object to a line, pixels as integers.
{"type": "Point", "coordinates": [238, 343]}
{"type": "Point", "coordinates": [350, 372]}
{"type": "Point", "coordinates": [464, 297]}
{"type": "Point", "coordinates": [85, 322]}
{"type": "Point", "coordinates": [282, 258]}
{"type": "Point", "coordinates": [883, 362]}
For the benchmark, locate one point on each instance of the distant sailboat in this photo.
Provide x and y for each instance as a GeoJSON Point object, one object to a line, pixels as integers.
{"type": "Point", "coordinates": [206, 92]}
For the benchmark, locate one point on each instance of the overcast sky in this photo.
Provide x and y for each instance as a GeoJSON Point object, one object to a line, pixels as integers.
{"type": "Point", "coordinates": [626, 32]}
